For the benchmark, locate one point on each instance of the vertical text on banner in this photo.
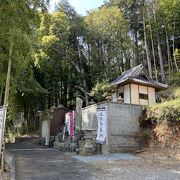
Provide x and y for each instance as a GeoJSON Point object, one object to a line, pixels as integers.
{"type": "Point", "coordinates": [102, 125]}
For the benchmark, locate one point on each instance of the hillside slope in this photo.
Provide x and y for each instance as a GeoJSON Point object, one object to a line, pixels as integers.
{"type": "Point", "coordinates": [161, 124]}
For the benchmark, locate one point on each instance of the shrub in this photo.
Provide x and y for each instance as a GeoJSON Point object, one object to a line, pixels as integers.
{"type": "Point", "coordinates": [101, 91]}
{"type": "Point", "coordinates": [175, 79]}
{"type": "Point", "coordinates": [167, 111]}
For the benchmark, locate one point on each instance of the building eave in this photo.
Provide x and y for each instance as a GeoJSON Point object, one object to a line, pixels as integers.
{"type": "Point", "coordinates": [158, 86]}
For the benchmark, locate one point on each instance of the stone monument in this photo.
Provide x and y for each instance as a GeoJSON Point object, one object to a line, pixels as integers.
{"type": "Point", "coordinates": [78, 113]}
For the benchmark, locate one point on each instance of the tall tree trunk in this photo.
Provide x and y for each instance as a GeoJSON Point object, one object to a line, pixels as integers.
{"type": "Point", "coordinates": [84, 88]}
{"type": "Point", "coordinates": [128, 63]}
{"type": "Point", "coordinates": [26, 117]}
{"type": "Point", "coordinates": [146, 46]}
{"type": "Point", "coordinates": [160, 59]}
{"type": "Point", "coordinates": [85, 94]}
{"type": "Point", "coordinates": [152, 46]}
{"type": "Point", "coordinates": [174, 44]}
{"type": "Point", "coordinates": [61, 92]}
{"type": "Point", "coordinates": [137, 62]}
{"type": "Point", "coordinates": [105, 59]}
{"type": "Point", "coordinates": [123, 60]}
{"type": "Point", "coordinates": [65, 82]}
{"type": "Point", "coordinates": [65, 94]}
{"type": "Point", "coordinates": [29, 119]}
{"type": "Point", "coordinates": [81, 71]}
{"type": "Point", "coordinates": [133, 63]}
{"type": "Point", "coordinates": [168, 49]}
{"type": "Point", "coordinates": [158, 43]}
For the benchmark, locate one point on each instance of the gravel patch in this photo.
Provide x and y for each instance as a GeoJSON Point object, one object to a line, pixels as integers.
{"type": "Point", "coordinates": [109, 157]}
{"type": "Point", "coordinates": [147, 167]}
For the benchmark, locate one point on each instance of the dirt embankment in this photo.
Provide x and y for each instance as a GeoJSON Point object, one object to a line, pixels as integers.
{"type": "Point", "coordinates": [164, 139]}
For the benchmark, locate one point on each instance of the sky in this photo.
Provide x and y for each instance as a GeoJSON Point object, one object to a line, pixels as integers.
{"type": "Point", "coordinates": [81, 6]}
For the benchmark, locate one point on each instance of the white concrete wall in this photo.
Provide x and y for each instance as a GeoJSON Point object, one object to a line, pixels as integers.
{"type": "Point", "coordinates": [124, 118]}
{"type": "Point", "coordinates": [123, 123]}
{"type": "Point", "coordinates": [89, 118]}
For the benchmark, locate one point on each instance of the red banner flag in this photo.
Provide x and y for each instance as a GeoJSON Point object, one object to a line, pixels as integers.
{"type": "Point", "coordinates": [71, 125]}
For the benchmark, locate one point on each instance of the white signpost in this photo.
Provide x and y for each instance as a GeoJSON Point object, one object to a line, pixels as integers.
{"type": "Point", "coordinates": [2, 116]}
{"type": "Point", "coordinates": [1, 123]}
{"type": "Point", "coordinates": [102, 126]}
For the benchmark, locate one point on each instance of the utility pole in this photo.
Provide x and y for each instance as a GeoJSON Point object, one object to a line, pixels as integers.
{"type": "Point", "coordinates": [5, 105]}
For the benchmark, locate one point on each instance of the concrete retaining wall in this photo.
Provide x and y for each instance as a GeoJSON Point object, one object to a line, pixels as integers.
{"type": "Point", "coordinates": [123, 124]}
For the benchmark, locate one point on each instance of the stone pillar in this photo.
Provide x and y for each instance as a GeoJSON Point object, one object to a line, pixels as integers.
{"type": "Point", "coordinates": [45, 126]}
{"type": "Point", "coordinates": [78, 113]}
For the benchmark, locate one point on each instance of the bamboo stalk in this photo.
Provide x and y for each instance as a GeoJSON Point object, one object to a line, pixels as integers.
{"type": "Point", "coordinates": [6, 97]}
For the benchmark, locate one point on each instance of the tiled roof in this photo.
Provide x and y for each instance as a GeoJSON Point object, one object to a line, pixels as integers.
{"type": "Point", "coordinates": [138, 74]}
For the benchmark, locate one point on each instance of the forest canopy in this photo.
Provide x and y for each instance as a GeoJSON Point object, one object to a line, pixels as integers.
{"type": "Point", "coordinates": [58, 56]}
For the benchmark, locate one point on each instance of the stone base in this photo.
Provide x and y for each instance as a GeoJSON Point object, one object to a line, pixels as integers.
{"type": "Point", "coordinates": [89, 146]}
{"type": "Point", "coordinates": [89, 151]}
{"type": "Point", "coordinates": [69, 147]}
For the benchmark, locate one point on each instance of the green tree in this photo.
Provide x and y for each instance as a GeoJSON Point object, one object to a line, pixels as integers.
{"type": "Point", "coordinates": [51, 57]}
{"type": "Point", "coordinates": [109, 41]}
{"type": "Point", "coordinates": [132, 12]}
{"type": "Point", "coordinates": [17, 21]}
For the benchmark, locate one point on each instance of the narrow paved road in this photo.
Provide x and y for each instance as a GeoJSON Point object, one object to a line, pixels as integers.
{"type": "Point", "coordinates": [49, 164]}
{"type": "Point", "coordinates": [35, 162]}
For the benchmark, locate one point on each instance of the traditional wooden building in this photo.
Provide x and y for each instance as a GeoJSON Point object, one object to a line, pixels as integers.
{"type": "Point", "coordinates": [136, 87]}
